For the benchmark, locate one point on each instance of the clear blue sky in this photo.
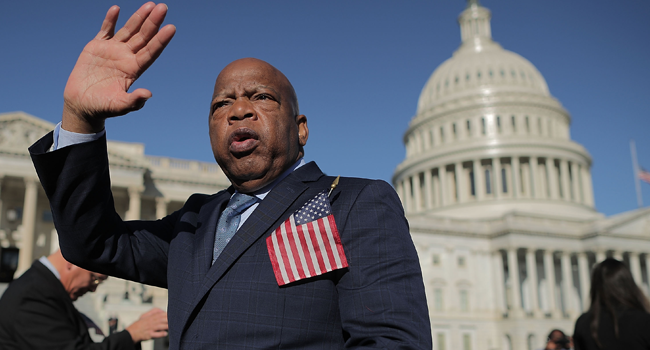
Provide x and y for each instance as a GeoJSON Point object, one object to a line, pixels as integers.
{"type": "Point", "coordinates": [358, 68]}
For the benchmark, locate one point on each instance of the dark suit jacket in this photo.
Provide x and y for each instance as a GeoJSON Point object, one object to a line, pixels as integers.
{"type": "Point", "coordinates": [378, 302]}
{"type": "Point", "coordinates": [37, 313]}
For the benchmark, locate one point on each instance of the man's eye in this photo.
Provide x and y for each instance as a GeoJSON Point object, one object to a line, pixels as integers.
{"type": "Point", "coordinates": [264, 97]}
{"type": "Point", "coordinates": [219, 105]}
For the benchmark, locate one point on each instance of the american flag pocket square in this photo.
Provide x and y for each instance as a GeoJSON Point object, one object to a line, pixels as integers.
{"type": "Point", "coordinates": [307, 244]}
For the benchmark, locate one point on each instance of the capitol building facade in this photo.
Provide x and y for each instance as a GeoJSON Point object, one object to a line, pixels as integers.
{"type": "Point", "coordinates": [498, 197]}
{"type": "Point", "coordinates": [500, 202]}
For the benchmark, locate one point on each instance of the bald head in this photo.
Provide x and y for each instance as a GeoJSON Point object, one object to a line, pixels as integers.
{"type": "Point", "coordinates": [243, 65]}
{"type": "Point", "coordinates": [255, 129]}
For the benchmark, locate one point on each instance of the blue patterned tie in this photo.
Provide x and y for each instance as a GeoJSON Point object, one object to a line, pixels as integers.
{"type": "Point", "coordinates": [229, 221]}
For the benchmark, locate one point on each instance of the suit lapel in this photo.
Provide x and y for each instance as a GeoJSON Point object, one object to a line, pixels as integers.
{"type": "Point", "coordinates": [270, 211]}
{"type": "Point", "coordinates": [204, 236]}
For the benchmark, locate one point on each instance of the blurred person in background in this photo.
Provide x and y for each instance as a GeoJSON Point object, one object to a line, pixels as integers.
{"type": "Point", "coordinates": [618, 316]}
{"type": "Point", "coordinates": [38, 313]}
{"type": "Point", "coordinates": [557, 340]}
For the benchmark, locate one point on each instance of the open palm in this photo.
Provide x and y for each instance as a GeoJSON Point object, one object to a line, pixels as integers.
{"type": "Point", "coordinates": [109, 64]}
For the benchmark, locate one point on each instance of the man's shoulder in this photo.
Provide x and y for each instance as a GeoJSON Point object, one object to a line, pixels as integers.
{"type": "Point", "coordinates": [31, 282]}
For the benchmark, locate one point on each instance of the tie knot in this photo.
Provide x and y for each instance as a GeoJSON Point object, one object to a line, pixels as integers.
{"type": "Point", "coordinates": [240, 202]}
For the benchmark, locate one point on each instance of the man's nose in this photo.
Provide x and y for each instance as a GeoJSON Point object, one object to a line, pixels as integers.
{"type": "Point", "coordinates": [241, 109]}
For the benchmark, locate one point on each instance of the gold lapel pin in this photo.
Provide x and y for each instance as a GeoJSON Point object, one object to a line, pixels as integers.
{"type": "Point", "coordinates": [334, 184]}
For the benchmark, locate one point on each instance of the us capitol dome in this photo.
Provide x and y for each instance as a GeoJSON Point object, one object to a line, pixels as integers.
{"type": "Point", "coordinates": [500, 203]}
{"type": "Point", "coordinates": [488, 137]}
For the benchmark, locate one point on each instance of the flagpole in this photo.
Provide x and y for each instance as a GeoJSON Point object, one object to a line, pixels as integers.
{"type": "Point", "coordinates": [635, 165]}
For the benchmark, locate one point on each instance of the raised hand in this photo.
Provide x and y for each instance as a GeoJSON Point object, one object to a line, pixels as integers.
{"type": "Point", "coordinates": [152, 324]}
{"type": "Point", "coordinates": [109, 64]}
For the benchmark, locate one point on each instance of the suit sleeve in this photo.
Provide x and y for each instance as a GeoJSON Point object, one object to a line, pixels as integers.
{"type": "Point", "coordinates": [381, 297]}
{"type": "Point", "coordinates": [91, 234]}
{"type": "Point", "coordinates": [43, 322]}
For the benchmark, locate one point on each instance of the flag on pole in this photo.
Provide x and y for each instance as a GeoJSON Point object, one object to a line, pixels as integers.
{"type": "Point", "coordinates": [644, 175]}
{"type": "Point", "coordinates": [307, 244]}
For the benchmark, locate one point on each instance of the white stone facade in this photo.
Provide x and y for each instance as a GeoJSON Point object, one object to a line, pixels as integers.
{"type": "Point", "coordinates": [500, 201]}
{"type": "Point", "coordinates": [144, 187]}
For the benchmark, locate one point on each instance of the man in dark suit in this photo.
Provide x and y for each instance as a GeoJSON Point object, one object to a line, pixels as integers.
{"type": "Point", "coordinates": [349, 278]}
{"type": "Point", "coordinates": [37, 311]}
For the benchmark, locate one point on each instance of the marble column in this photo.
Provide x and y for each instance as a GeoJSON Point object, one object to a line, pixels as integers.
{"type": "Point", "coordinates": [435, 188]}
{"type": "Point", "coordinates": [513, 272]}
{"type": "Point", "coordinates": [618, 255]}
{"type": "Point", "coordinates": [407, 195]}
{"type": "Point", "coordinates": [647, 270]}
{"type": "Point", "coordinates": [553, 178]}
{"type": "Point", "coordinates": [496, 167]}
{"type": "Point", "coordinates": [417, 193]}
{"type": "Point", "coordinates": [534, 174]}
{"type": "Point", "coordinates": [499, 284]}
{"type": "Point", "coordinates": [161, 207]}
{"type": "Point", "coordinates": [444, 185]}
{"type": "Point", "coordinates": [428, 189]}
{"type": "Point", "coordinates": [567, 285]}
{"type": "Point", "coordinates": [549, 275]}
{"type": "Point", "coordinates": [635, 268]}
{"type": "Point", "coordinates": [587, 189]}
{"type": "Point", "coordinates": [135, 198]}
{"type": "Point", "coordinates": [516, 179]}
{"type": "Point", "coordinates": [479, 180]}
{"type": "Point", "coordinates": [1, 211]}
{"type": "Point", "coordinates": [600, 255]}
{"type": "Point", "coordinates": [461, 183]}
{"type": "Point", "coordinates": [575, 182]}
{"type": "Point", "coordinates": [564, 178]}
{"type": "Point", "coordinates": [26, 254]}
{"type": "Point", "coordinates": [531, 272]}
{"type": "Point", "coordinates": [585, 285]}
{"type": "Point", "coordinates": [400, 191]}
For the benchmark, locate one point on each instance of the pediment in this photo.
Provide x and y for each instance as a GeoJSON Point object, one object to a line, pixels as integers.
{"type": "Point", "coordinates": [632, 223]}
{"type": "Point", "coordinates": [19, 130]}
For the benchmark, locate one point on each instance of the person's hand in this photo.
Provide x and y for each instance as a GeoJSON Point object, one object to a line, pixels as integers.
{"type": "Point", "coordinates": [550, 345]}
{"type": "Point", "coordinates": [152, 324]}
{"type": "Point", "coordinates": [108, 66]}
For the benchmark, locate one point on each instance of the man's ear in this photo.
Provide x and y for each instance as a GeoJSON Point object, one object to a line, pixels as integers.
{"type": "Point", "coordinates": [303, 130]}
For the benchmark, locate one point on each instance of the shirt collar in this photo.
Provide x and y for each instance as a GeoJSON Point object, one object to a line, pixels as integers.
{"type": "Point", "coordinates": [261, 193]}
{"type": "Point", "coordinates": [45, 261]}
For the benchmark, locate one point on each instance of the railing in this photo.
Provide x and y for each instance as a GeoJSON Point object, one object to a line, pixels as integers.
{"type": "Point", "coordinates": [182, 164]}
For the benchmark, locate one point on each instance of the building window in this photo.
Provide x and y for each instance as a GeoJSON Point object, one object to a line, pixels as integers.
{"type": "Point", "coordinates": [514, 124]}
{"type": "Point", "coordinates": [437, 299]}
{"type": "Point", "coordinates": [467, 341]}
{"type": "Point", "coordinates": [435, 260]}
{"type": "Point", "coordinates": [483, 125]}
{"type": "Point", "coordinates": [461, 261]}
{"type": "Point", "coordinates": [499, 124]}
{"type": "Point", "coordinates": [464, 300]}
{"type": "Point", "coordinates": [472, 189]}
{"type": "Point", "coordinates": [504, 180]}
{"type": "Point", "coordinates": [440, 341]}
{"type": "Point", "coordinates": [488, 182]}
{"type": "Point", "coordinates": [442, 134]}
{"type": "Point", "coordinates": [469, 127]}
{"type": "Point", "coordinates": [453, 129]}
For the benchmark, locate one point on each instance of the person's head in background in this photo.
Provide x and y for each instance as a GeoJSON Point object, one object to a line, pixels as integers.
{"type": "Point", "coordinates": [75, 280]}
{"type": "Point", "coordinates": [612, 290]}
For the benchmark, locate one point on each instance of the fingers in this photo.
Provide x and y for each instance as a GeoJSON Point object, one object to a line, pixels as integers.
{"type": "Point", "coordinates": [155, 46]}
{"type": "Point", "coordinates": [135, 101]}
{"type": "Point", "coordinates": [134, 23]}
{"type": "Point", "coordinates": [108, 26]}
{"type": "Point", "coordinates": [149, 28]}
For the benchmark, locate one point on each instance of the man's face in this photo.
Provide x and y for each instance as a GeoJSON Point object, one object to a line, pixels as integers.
{"type": "Point", "coordinates": [83, 281]}
{"type": "Point", "coordinates": [255, 131]}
